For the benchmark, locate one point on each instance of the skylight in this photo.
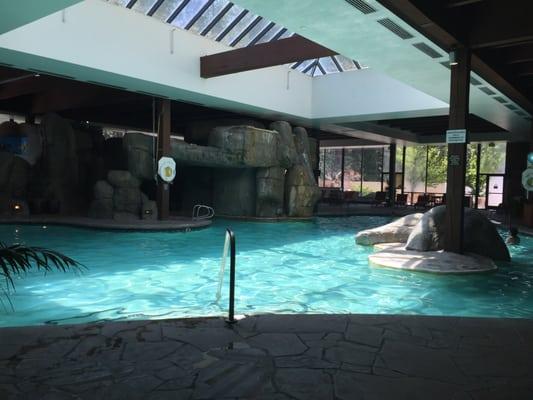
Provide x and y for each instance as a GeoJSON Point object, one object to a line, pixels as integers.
{"type": "Point", "coordinates": [232, 25]}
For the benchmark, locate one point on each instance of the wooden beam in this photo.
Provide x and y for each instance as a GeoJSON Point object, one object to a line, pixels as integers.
{"type": "Point", "coordinates": [499, 23]}
{"type": "Point", "coordinates": [523, 69]}
{"type": "Point", "coordinates": [412, 15]}
{"type": "Point", "coordinates": [163, 110]}
{"type": "Point", "coordinates": [461, 3]}
{"type": "Point", "coordinates": [519, 54]}
{"type": "Point", "coordinates": [392, 174]}
{"type": "Point", "coordinates": [455, 188]}
{"type": "Point", "coordinates": [31, 85]}
{"type": "Point", "coordinates": [284, 51]}
{"type": "Point", "coordinates": [73, 95]}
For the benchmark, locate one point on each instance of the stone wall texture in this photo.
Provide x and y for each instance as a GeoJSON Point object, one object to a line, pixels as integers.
{"type": "Point", "coordinates": [255, 172]}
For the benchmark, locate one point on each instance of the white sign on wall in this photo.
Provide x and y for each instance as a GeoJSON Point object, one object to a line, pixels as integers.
{"type": "Point", "coordinates": [455, 136]}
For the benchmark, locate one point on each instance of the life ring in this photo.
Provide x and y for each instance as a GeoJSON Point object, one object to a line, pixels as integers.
{"type": "Point", "coordinates": [527, 179]}
{"type": "Point", "coordinates": [166, 169]}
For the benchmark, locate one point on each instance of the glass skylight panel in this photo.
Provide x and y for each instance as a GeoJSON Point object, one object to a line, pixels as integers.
{"type": "Point", "coordinates": [304, 65]}
{"type": "Point", "coordinates": [188, 13]}
{"type": "Point", "coordinates": [143, 6]}
{"type": "Point", "coordinates": [267, 37]}
{"type": "Point", "coordinates": [345, 63]}
{"type": "Point", "coordinates": [209, 15]}
{"type": "Point", "coordinates": [317, 71]}
{"type": "Point", "coordinates": [122, 3]}
{"type": "Point", "coordinates": [256, 30]}
{"type": "Point", "coordinates": [286, 35]}
{"type": "Point", "coordinates": [232, 25]}
{"type": "Point", "coordinates": [239, 28]}
{"type": "Point", "coordinates": [166, 9]}
{"type": "Point", "coordinates": [328, 65]}
{"type": "Point", "coordinates": [224, 22]}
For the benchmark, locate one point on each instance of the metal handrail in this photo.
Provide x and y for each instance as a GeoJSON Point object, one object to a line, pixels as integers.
{"type": "Point", "coordinates": [229, 242]}
{"type": "Point", "coordinates": [231, 312]}
{"type": "Point", "coordinates": [196, 212]}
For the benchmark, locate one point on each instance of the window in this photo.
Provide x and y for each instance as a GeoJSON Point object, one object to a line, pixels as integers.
{"type": "Point", "coordinates": [352, 170]}
{"type": "Point", "coordinates": [437, 169]}
{"type": "Point", "coordinates": [332, 168]}
{"type": "Point", "coordinates": [415, 169]}
{"type": "Point", "coordinates": [492, 158]}
{"type": "Point", "coordinates": [372, 170]}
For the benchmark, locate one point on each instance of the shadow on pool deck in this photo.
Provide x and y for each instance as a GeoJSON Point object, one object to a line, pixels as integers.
{"type": "Point", "coordinates": [272, 357]}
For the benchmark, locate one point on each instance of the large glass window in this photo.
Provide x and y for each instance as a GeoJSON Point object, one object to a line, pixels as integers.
{"type": "Point", "coordinates": [332, 163]}
{"type": "Point", "coordinates": [491, 169]}
{"type": "Point", "coordinates": [492, 158]}
{"type": "Point", "coordinates": [399, 169]}
{"type": "Point", "coordinates": [437, 169]}
{"type": "Point", "coordinates": [352, 170]}
{"type": "Point", "coordinates": [423, 171]}
{"type": "Point", "coordinates": [372, 170]}
{"type": "Point", "coordinates": [471, 176]}
{"type": "Point", "coordinates": [415, 169]}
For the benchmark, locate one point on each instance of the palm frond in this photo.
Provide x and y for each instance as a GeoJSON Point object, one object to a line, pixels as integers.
{"type": "Point", "coordinates": [18, 259]}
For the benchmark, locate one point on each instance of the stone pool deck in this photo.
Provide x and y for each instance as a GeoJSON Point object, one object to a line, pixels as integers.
{"type": "Point", "coordinates": [272, 357]}
{"type": "Point", "coordinates": [172, 224]}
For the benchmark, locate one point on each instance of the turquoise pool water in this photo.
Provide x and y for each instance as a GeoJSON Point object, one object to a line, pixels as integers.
{"type": "Point", "coordinates": [300, 267]}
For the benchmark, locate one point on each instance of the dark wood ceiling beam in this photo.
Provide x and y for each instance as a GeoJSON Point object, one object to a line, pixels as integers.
{"type": "Point", "coordinates": [461, 3]}
{"type": "Point", "coordinates": [8, 75]}
{"type": "Point", "coordinates": [78, 96]}
{"type": "Point", "coordinates": [263, 55]}
{"type": "Point", "coordinates": [32, 84]}
{"type": "Point", "coordinates": [523, 69]}
{"type": "Point", "coordinates": [519, 54]}
{"type": "Point", "coordinates": [499, 23]}
{"type": "Point", "coordinates": [421, 22]}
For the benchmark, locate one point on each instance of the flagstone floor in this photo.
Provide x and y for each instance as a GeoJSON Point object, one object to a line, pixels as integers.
{"type": "Point", "coordinates": [272, 357]}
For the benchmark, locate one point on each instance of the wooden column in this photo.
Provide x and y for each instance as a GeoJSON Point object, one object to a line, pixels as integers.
{"type": "Point", "coordinates": [455, 190]}
{"type": "Point", "coordinates": [392, 174]}
{"type": "Point", "coordinates": [342, 170]}
{"type": "Point", "coordinates": [163, 150]}
{"type": "Point", "coordinates": [530, 194]}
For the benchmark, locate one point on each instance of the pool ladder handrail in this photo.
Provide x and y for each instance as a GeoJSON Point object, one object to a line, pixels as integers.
{"type": "Point", "coordinates": [198, 208]}
{"type": "Point", "coordinates": [230, 236]}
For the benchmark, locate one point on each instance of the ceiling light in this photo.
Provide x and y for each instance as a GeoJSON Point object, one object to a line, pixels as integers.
{"type": "Point", "coordinates": [453, 58]}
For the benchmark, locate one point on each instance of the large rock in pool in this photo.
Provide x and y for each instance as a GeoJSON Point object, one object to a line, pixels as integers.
{"type": "Point", "coordinates": [395, 232]}
{"type": "Point", "coordinates": [480, 235]}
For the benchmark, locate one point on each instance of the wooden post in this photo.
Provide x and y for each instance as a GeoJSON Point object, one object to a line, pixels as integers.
{"type": "Point", "coordinates": [530, 194]}
{"type": "Point", "coordinates": [392, 174]}
{"type": "Point", "coordinates": [455, 190]}
{"type": "Point", "coordinates": [163, 150]}
{"type": "Point", "coordinates": [342, 170]}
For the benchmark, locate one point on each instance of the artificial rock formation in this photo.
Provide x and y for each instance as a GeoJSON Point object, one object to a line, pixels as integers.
{"type": "Point", "coordinates": [480, 235]}
{"type": "Point", "coordinates": [120, 198]}
{"type": "Point", "coordinates": [270, 189]}
{"type": "Point", "coordinates": [54, 169]}
{"type": "Point", "coordinates": [14, 178]}
{"type": "Point", "coordinates": [302, 192]}
{"type": "Point", "coordinates": [255, 172]}
{"type": "Point", "coordinates": [395, 232]}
